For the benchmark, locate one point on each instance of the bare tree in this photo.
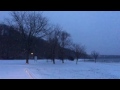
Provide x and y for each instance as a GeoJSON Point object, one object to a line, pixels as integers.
{"type": "Point", "coordinates": [95, 55]}
{"type": "Point", "coordinates": [64, 42]}
{"type": "Point", "coordinates": [84, 54]}
{"type": "Point", "coordinates": [53, 40]}
{"type": "Point", "coordinates": [30, 24]}
{"type": "Point", "coordinates": [79, 50]}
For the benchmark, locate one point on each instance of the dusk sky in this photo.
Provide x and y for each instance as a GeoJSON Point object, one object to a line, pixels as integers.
{"type": "Point", "coordinates": [97, 30]}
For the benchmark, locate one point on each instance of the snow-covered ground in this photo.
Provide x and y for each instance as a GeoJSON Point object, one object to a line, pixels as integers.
{"type": "Point", "coordinates": [18, 69]}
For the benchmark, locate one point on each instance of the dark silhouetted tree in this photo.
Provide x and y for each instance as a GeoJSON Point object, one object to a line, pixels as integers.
{"type": "Point", "coordinates": [30, 24]}
{"type": "Point", "coordinates": [64, 42]}
{"type": "Point", "coordinates": [53, 40]}
{"type": "Point", "coordinates": [79, 50]}
{"type": "Point", "coordinates": [95, 55]}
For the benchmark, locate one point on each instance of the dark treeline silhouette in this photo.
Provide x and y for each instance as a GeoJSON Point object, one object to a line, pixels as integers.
{"type": "Point", "coordinates": [12, 45]}
{"type": "Point", "coordinates": [28, 34]}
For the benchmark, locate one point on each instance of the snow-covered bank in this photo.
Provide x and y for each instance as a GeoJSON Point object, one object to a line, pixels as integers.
{"type": "Point", "coordinates": [18, 69]}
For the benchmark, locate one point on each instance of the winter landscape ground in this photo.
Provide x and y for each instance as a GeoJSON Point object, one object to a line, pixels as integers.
{"type": "Point", "coordinates": [18, 69]}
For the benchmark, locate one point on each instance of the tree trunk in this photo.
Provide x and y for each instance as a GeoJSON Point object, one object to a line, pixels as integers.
{"type": "Point", "coordinates": [62, 61]}
{"type": "Point", "coordinates": [27, 61]}
{"type": "Point", "coordinates": [62, 55]}
{"type": "Point", "coordinates": [53, 61]}
{"type": "Point", "coordinates": [53, 58]}
{"type": "Point", "coordinates": [27, 58]}
{"type": "Point", "coordinates": [76, 60]}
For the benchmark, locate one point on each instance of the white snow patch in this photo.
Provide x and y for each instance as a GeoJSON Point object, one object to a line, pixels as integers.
{"type": "Point", "coordinates": [18, 69]}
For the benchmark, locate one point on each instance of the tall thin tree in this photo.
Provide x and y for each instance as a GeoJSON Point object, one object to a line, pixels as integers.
{"type": "Point", "coordinates": [53, 40]}
{"type": "Point", "coordinates": [79, 50]}
{"type": "Point", "coordinates": [95, 55]}
{"type": "Point", "coordinates": [64, 42]}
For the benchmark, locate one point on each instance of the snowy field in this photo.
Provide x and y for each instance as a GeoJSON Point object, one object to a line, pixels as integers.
{"type": "Point", "coordinates": [18, 69]}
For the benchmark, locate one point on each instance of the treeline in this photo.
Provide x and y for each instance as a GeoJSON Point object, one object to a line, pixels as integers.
{"type": "Point", "coordinates": [30, 34]}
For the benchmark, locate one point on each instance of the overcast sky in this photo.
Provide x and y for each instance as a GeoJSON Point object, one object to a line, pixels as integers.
{"type": "Point", "coordinates": [97, 30]}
